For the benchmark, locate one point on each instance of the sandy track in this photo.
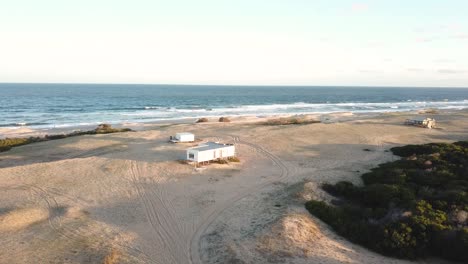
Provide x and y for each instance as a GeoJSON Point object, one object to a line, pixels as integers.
{"type": "Point", "coordinates": [126, 192]}
{"type": "Point", "coordinates": [217, 211]}
{"type": "Point", "coordinates": [168, 234]}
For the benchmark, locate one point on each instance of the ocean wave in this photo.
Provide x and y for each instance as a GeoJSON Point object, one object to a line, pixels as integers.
{"type": "Point", "coordinates": [405, 106]}
{"type": "Point", "coordinates": [23, 124]}
{"type": "Point", "coordinates": [158, 113]}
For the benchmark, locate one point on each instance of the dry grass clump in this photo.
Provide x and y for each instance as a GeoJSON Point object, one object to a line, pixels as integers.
{"type": "Point", "coordinates": [221, 161]}
{"type": "Point", "coordinates": [112, 257]}
{"type": "Point", "coordinates": [429, 111]}
{"type": "Point", "coordinates": [224, 119]}
{"type": "Point", "coordinates": [217, 161]}
{"type": "Point", "coordinates": [290, 121]}
{"type": "Point", "coordinates": [106, 129]}
{"type": "Point", "coordinates": [233, 159]}
{"type": "Point", "coordinates": [202, 120]}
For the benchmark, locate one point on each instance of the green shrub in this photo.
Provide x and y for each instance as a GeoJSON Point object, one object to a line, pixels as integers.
{"type": "Point", "coordinates": [342, 188]}
{"type": "Point", "coordinates": [402, 209]}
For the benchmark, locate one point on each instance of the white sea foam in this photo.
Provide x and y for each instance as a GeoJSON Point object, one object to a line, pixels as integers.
{"type": "Point", "coordinates": [151, 114]}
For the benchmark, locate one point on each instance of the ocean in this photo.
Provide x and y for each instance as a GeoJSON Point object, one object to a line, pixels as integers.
{"type": "Point", "coordinates": [67, 105]}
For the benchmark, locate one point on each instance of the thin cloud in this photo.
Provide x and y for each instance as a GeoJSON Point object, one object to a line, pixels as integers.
{"type": "Point", "coordinates": [375, 43]}
{"type": "Point", "coordinates": [443, 60]}
{"type": "Point", "coordinates": [450, 71]}
{"type": "Point", "coordinates": [359, 7]}
{"type": "Point", "coordinates": [426, 39]}
{"type": "Point", "coordinates": [460, 36]}
{"type": "Point", "coordinates": [453, 26]}
{"type": "Point", "coordinates": [415, 70]}
{"type": "Point", "coordinates": [369, 71]}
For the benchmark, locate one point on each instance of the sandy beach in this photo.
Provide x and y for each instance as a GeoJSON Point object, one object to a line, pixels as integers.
{"type": "Point", "coordinates": [126, 196]}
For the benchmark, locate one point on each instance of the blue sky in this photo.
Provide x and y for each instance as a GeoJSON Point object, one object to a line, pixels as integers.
{"type": "Point", "coordinates": [296, 42]}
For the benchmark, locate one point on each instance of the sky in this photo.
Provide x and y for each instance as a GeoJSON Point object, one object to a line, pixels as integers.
{"type": "Point", "coordinates": [236, 42]}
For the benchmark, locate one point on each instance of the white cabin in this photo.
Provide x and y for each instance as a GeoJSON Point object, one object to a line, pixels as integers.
{"type": "Point", "coordinates": [421, 122]}
{"type": "Point", "coordinates": [210, 151]}
{"type": "Point", "coordinates": [183, 137]}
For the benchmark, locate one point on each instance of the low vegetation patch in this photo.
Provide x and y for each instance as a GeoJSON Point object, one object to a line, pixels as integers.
{"type": "Point", "coordinates": [107, 129]}
{"type": "Point", "coordinates": [410, 208]}
{"type": "Point", "coordinates": [202, 120]}
{"type": "Point", "coordinates": [220, 161]}
{"type": "Point", "coordinates": [8, 143]}
{"type": "Point", "coordinates": [290, 121]}
{"type": "Point", "coordinates": [233, 159]}
{"type": "Point", "coordinates": [224, 119]}
{"type": "Point", "coordinates": [429, 111]}
{"type": "Point", "coordinates": [113, 257]}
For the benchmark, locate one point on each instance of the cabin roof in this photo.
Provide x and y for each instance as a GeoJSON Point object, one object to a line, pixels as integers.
{"type": "Point", "coordinates": [210, 146]}
{"type": "Point", "coordinates": [184, 134]}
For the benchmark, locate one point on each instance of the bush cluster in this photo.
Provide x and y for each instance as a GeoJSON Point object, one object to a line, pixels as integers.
{"type": "Point", "coordinates": [290, 121]}
{"type": "Point", "coordinates": [409, 208]}
{"type": "Point", "coordinates": [8, 143]}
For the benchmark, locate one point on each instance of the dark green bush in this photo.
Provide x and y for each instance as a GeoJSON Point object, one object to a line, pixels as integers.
{"type": "Point", "coordinates": [402, 210]}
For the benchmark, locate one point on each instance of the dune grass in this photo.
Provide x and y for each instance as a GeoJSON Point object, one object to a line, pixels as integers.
{"type": "Point", "coordinates": [233, 159]}
{"type": "Point", "coordinates": [113, 257]}
{"type": "Point", "coordinates": [9, 143]}
{"type": "Point", "coordinates": [290, 121]}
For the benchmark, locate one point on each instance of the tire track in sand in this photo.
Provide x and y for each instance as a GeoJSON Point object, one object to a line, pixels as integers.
{"type": "Point", "coordinates": [218, 210]}
{"type": "Point", "coordinates": [168, 235]}
{"type": "Point", "coordinates": [55, 221]}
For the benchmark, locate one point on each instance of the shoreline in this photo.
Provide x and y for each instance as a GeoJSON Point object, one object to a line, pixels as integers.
{"type": "Point", "coordinates": [336, 117]}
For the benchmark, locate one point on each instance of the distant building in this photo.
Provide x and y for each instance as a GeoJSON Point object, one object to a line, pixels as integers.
{"type": "Point", "coordinates": [183, 137]}
{"type": "Point", "coordinates": [421, 122]}
{"type": "Point", "coordinates": [210, 151]}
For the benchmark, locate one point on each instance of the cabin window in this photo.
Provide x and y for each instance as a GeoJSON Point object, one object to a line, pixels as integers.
{"type": "Point", "coordinates": [191, 156]}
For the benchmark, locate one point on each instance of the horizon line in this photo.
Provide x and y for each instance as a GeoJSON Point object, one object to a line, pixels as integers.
{"type": "Point", "coordinates": [235, 85]}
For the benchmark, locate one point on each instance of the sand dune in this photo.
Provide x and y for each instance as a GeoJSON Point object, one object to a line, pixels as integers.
{"type": "Point", "coordinates": [125, 198]}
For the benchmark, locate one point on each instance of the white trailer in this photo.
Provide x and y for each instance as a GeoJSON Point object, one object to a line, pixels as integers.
{"type": "Point", "coordinates": [183, 137]}
{"type": "Point", "coordinates": [210, 151]}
